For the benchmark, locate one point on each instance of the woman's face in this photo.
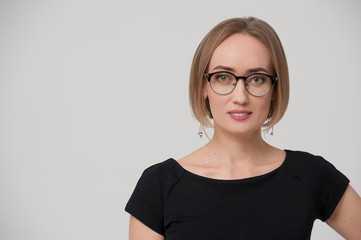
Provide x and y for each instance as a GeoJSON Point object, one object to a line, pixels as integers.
{"type": "Point", "coordinates": [239, 112]}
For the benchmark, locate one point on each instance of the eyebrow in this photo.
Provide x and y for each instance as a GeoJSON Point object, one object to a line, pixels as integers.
{"type": "Point", "coordinates": [249, 71]}
{"type": "Point", "coordinates": [259, 69]}
{"type": "Point", "coordinates": [224, 68]}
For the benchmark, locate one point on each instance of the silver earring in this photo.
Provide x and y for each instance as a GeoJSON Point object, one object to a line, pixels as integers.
{"type": "Point", "coordinates": [200, 131]}
{"type": "Point", "coordinates": [268, 120]}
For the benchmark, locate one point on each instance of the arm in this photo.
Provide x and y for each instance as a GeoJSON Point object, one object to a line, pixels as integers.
{"type": "Point", "coordinates": [139, 231]}
{"type": "Point", "coordinates": [346, 219]}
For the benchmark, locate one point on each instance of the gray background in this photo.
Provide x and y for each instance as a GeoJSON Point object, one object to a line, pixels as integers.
{"type": "Point", "coordinates": [93, 92]}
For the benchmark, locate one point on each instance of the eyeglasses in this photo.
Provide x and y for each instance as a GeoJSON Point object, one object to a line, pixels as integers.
{"type": "Point", "coordinates": [256, 84]}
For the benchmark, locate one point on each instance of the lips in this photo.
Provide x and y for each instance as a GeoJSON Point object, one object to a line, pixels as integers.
{"type": "Point", "coordinates": [239, 114]}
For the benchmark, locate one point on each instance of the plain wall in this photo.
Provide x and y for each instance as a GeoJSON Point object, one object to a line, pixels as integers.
{"type": "Point", "coordinates": [93, 92]}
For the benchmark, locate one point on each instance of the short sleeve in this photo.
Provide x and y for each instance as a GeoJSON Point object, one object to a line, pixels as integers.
{"type": "Point", "coordinates": [148, 198]}
{"type": "Point", "coordinates": [326, 183]}
{"type": "Point", "coordinates": [330, 185]}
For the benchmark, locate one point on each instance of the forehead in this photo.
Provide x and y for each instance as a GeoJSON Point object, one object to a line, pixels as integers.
{"type": "Point", "coordinates": [241, 52]}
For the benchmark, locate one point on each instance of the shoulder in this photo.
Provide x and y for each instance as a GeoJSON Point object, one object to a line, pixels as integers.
{"type": "Point", "coordinates": [169, 167]}
{"type": "Point", "coordinates": [314, 171]}
{"type": "Point", "coordinates": [325, 183]}
{"type": "Point", "coordinates": [151, 192]}
{"type": "Point", "coordinates": [160, 177]}
{"type": "Point", "coordinates": [304, 163]}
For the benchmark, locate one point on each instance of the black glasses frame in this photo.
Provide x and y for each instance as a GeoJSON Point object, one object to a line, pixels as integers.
{"type": "Point", "coordinates": [244, 78]}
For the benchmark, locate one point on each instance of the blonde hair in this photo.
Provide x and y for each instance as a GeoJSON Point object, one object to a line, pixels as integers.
{"type": "Point", "coordinates": [258, 29]}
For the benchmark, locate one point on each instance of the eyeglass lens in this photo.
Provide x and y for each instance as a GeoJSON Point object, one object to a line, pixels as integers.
{"type": "Point", "coordinates": [256, 84]}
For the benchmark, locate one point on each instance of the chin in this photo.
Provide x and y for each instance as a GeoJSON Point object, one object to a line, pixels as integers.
{"type": "Point", "coordinates": [238, 130]}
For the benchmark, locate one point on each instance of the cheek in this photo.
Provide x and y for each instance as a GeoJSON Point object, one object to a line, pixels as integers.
{"type": "Point", "coordinates": [217, 103]}
{"type": "Point", "coordinates": [266, 107]}
{"type": "Point", "coordinates": [261, 105]}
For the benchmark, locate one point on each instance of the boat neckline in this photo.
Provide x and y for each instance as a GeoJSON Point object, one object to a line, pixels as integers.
{"type": "Point", "coordinates": [238, 179]}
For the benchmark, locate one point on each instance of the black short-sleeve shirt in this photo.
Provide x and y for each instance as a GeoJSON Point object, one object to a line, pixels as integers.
{"type": "Point", "coordinates": [281, 204]}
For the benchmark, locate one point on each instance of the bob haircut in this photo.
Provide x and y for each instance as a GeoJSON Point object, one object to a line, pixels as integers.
{"type": "Point", "coordinates": [263, 32]}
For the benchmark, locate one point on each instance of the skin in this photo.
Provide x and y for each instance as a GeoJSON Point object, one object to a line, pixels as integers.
{"type": "Point", "coordinates": [237, 149]}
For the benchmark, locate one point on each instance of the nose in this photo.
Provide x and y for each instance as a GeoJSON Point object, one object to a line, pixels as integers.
{"type": "Point", "coordinates": [240, 94]}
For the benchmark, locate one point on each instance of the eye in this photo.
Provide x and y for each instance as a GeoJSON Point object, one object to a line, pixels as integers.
{"type": "Point", "coordinates": [257, 79]}
{"type": "Point", "coordinates": [222, 77]}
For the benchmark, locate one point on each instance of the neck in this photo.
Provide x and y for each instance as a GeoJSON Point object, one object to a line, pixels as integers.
{"type": "Point", "coordinates": [230, 149]}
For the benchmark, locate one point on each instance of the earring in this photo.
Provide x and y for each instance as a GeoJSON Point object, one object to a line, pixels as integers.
{"type": "Point", "coordinates": [268, 120]}
{"type": "Point", "coordinates": [200, 131]}
{"type": "Point", "coordinates": [268, 133]}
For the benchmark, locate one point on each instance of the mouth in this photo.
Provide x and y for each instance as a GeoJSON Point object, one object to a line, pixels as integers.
{"type": "Point", "coordinates": [240, 114]}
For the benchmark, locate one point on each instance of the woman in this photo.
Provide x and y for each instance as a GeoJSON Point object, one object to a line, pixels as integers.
{"type": "Point", "coordinates": [237, 186]}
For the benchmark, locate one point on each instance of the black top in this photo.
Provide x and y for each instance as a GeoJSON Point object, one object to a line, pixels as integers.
{"type": "Point", "coordinates": [281, 204]}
